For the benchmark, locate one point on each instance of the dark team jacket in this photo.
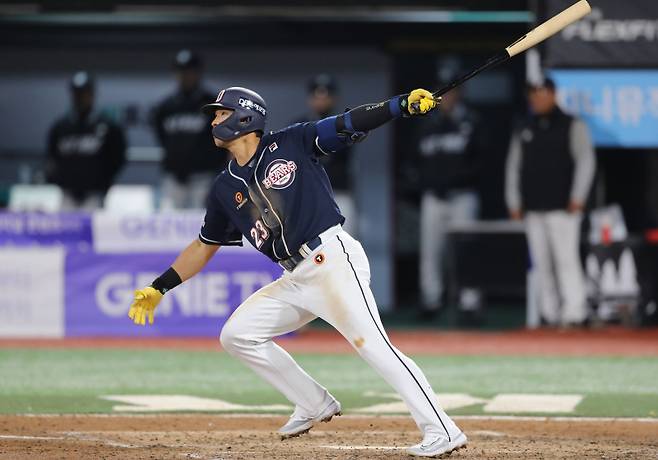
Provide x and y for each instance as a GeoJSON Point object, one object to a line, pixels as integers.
{"type": "Point", "coordinates": [186, 135]}
{"type": "Point", "coordinates": [449, 151]}
{"type": "Point", "coordinates": [85, 153]}
{"type": "Point", "coordinates": [280, 200]}
{"type": "Point", "coordinates": [338, 165]}
{"type": "Point", "coordinates": [547, 167]}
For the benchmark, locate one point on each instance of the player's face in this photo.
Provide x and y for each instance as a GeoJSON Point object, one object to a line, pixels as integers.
{"type": "Point", "coordinates": [83, 100]}
{"type": "Point", "coordinates": [542, 100]}
{"type": "Point", "coordinates": [220, 116]}
{"type": "Point", "coordinates": [321, 102]}
{"type": "Point", "coordinates": [188, 79]}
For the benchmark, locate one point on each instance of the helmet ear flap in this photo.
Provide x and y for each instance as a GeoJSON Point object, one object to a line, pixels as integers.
{"type": "Point", "coordinates": [245, 120]}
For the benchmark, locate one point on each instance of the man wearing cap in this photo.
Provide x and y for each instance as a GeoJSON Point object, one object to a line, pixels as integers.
{"type": "Point", "coordinates": [550, 167]}
{"type": "Point", "coordinates": [321, 101]}
{"type": "Point", "coordinates": [190, 159]}
{"type": "Point", "coordinates": [275, 194]}
{"type": "Point", "coordinates": [450, 144]}
{"type": "Point", "coordinates": [86, 149]}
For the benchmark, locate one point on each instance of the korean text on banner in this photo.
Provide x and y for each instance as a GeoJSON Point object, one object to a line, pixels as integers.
{"type": "Point", "coordinates": [620, 106]}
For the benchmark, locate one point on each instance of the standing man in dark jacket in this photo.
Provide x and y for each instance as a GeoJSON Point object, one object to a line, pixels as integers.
{"type": "Point", "coordinates": [550, 167]}
{"type": "Point", "coordinates": [449, 149]}
{"type": "Point", "coordinates": [191, 160]}
{"type": "Point", "coordinates": [322, 94]}
{"type": "Point", "coordinates": [86, 149]}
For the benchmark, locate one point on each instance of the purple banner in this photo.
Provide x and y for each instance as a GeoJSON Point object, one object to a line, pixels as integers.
{"type": "Point", "coordinates": [18, 228]}
{"type": "Point", "coordinates": [99, 290]}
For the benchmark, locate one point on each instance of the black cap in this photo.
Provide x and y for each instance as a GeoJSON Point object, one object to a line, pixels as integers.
{"type": "Point", "coordinates": [323, 83]}
{"type": "Point", "coordinates": [544, 82]}
{"type": "Point", "coordinates": [187, 59]}
{"type": "Point", "coordinates": [81, 80]}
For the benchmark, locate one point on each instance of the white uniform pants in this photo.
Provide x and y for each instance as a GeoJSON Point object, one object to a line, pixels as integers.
{"type": "Point", "coordinates": [553, 240]}
{"type": "Point", "coordinates": [188, 195]}
{"type": "Point", "coordinates": [435, 216]}
{"type": "Point", "coordinates": [332, 283]}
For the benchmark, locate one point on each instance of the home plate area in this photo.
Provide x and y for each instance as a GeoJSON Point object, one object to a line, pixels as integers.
{"type": "Point", "coordinates": [206, 436]}
{"type": "Point", "coordinates": [499, 404]}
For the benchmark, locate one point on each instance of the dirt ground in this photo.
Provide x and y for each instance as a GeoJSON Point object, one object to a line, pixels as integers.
{"type": "Point", "coordinates": [348, 437]}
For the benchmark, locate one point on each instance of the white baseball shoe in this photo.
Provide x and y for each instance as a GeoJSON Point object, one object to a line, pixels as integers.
{"type": "Point", "coordinates": [438, 446]}
{"type": "Point", "coordinates": [298, 424]}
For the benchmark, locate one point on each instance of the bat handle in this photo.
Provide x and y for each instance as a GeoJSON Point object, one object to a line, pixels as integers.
{"type": "Point", "coordinates": [438, 93]}
{"type": "Point", "coordinates": [489, 64]}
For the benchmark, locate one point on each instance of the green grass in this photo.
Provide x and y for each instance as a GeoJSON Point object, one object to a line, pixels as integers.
{"type": "Point", "coordinates": [71, 381]}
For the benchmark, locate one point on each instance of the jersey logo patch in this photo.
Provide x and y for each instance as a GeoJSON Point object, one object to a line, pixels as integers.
{"type": "Point", "coordinates": [279, 174]}
{"type": "Point", "coordinates": [273, 147]}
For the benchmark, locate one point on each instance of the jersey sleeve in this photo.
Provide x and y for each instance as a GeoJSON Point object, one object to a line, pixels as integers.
{"type": "Point", "coordinates": [307, 135]}
{"type": "Point", "coordinates": [217, 228]}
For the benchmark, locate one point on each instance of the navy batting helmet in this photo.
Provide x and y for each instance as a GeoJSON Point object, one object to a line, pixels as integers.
{"type": "Point", "coordinates": [249, 113]}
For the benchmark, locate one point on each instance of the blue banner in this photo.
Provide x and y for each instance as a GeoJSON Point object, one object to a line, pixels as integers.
{"type": "Point", "coordinates": [28, 228]}
{"type": "Point", "coordinates": [619, 106]}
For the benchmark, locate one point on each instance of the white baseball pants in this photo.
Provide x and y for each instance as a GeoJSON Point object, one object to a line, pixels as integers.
{"type": "Point", "coordinates": [333, 284]}
{"type": "Point", "coordinates": [435, 216]}
{"type": "Point", "coordinates": [553, 240]}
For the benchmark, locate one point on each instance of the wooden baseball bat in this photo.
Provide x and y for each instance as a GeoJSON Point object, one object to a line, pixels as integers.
{"type": "Point", "coordinates": [535, 36]}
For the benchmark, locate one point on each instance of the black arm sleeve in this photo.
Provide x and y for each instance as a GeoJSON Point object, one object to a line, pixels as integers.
{"type": "Point", "coordinates": [370, 116]}
{"type": "Point", "coordinates": [339, 131]}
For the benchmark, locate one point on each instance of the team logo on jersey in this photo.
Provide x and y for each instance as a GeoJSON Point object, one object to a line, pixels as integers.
{"type": "Point", "coordinates": [239, 197]}
{"type": "Point", "coordinates": [279, 174]}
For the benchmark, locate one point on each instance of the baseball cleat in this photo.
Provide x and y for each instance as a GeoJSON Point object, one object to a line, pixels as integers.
{"type": "Point", "coordinates": [438, 446]}
{"type": "Point", "coordinates": [298, 425]}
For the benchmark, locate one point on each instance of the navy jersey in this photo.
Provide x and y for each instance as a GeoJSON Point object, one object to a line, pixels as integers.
{"type": "Point", "coordinates": [279, 200]}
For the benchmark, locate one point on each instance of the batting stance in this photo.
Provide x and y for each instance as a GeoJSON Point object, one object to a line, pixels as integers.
{"type": "Point", "coordinates": [275, 193]}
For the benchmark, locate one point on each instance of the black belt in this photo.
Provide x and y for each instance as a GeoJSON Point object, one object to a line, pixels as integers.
{"type": "Point", "coordinates": [291, 262]}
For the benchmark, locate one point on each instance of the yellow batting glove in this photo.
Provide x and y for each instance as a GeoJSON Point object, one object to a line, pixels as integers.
{"type": "Point", "coordinates": [144, 304]}
{"type": "Point", "coordinates": [420, 101]}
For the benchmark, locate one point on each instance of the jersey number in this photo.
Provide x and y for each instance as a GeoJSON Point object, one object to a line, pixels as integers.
{"type": "Point", "coordinates": [259, 233]}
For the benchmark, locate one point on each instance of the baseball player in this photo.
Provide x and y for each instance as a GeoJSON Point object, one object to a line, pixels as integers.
{"type": "Point", "coordinates": [276, 194]}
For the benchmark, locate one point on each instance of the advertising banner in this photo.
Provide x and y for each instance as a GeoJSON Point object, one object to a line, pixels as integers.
{"type": "Point", "coordinates": [168, 231]}
{"type": "Point", "coordinates": [18, 228]}
{"type": "Point", "coordinates": [619, 106]}
{"type": "Point", "coordinates": [32, 291]}
{"type": "Point", "coordinates": [100, 287]}
{"type": "Point", "coordinates": [615, 34]}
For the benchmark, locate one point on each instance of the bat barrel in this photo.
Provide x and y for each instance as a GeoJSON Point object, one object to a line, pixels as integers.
{"type": "Point", "coordinates": [536, 35]}
{"type": "Point", "coordinates": [550, 27]}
